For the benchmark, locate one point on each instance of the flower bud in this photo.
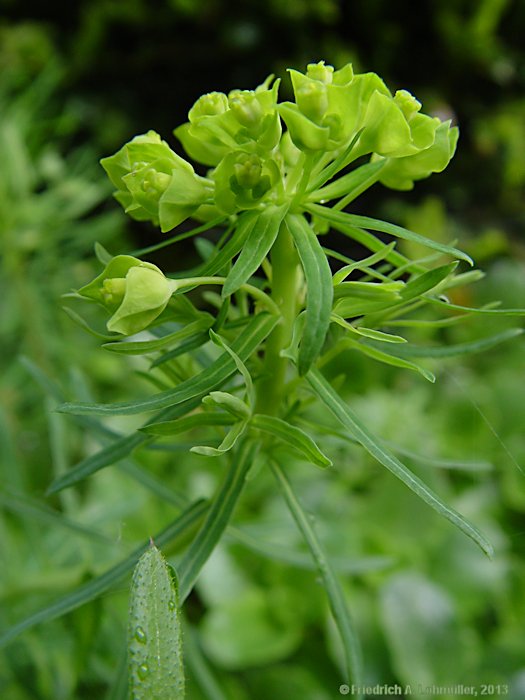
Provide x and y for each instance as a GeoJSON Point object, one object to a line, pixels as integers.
{"type": "Point", "coordinates": [246, 107]}
{"type": "Point", "coordinates": [318, 71]}
{"type": "Point", "coordinates": [136, 293]}
{"type": "Point", "coordinates": [208, 106]}
{"type": "Point", "coordinates": [407, 103]}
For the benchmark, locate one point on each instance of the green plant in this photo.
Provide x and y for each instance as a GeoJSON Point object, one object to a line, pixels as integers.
{"type": "Point", "coordinates": [245, 373]}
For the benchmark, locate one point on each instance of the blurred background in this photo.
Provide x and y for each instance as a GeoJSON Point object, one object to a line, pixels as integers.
{"type": "Point", "coordinates": [77, 80]}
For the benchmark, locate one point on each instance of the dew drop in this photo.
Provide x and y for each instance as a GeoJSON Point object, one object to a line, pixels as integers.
{"type": "Point", "coordinates": [171, 605]}
{"type": "Point", "coordinates": [143, 671]}
{"type": "Point", "coordinates": [140, 635]}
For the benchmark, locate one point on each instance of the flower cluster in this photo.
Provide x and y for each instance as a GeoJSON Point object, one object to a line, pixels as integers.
{"type": "Point", "coordinates": [260, 155]}
{"type": "Point", "coordinates": [240, 138]}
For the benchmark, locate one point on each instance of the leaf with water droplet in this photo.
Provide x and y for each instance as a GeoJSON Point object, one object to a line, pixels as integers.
{"type": "Point", "coordinates": [154, 636]}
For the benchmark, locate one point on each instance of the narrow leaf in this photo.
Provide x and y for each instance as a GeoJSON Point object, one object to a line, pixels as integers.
{"type": "Point", "coordinates": [226, 445]}
{"type": "Point", "coordinates": [118, 449]}
{"type": "Point", "coordinates": [461, 348]}
{"type": "Point", "coordinates": [319, 297]}
{"type": "Point", "coordinates": [181, 425]}
{"type": "Point", "coordinates": [336, 597]}
{"type": "Point", "coordinates": [358, 431]}
{"type": "Point", "coordinates": [146, 346]}
{"type": "Point", "coordinates": [256, 247]}
{"type": "Point", "coordinates": [292, 436]}
{"type": "Point", "coordinates": [340, 217]}
{"type": "Point", "coordinates": [388, 359]}
{"type": "Point", "coordinates": [216, 520]}
{"type": "Point", "coordinates": [355, 181]}
{"type": "Point", "coordinates": [154, 631]}
{"type": "Point", "coordinates": [210, 378]}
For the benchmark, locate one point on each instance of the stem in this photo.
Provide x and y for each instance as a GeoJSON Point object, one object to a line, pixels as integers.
{"type": "Point", "coordinates": [284, 294]}
{"type": "Point", "coordinates": [340, 612]}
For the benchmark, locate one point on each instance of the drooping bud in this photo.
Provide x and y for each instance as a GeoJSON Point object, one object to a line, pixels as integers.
{"type": "Point", "coordinates": [136, 293]}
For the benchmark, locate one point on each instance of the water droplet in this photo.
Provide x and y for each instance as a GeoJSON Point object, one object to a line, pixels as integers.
{"type": "Point", "coordinates": [143, 671]}
{"type": "Point", "coordinates": [140, 635]}
{"type": "Point", "coordinates": [171, 605]}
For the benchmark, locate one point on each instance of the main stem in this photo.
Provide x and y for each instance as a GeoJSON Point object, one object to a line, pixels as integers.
{"type": "Point", "coordinates": [285, 268]}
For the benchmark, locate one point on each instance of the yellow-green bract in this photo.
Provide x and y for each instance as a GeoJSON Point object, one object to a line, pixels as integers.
{"type": "Point", "coordinates": [154, 634]}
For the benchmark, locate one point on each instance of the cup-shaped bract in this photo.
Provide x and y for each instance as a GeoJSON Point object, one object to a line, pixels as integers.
{"type": "Point", "coordinates": [243, 180]}
{"type": "Point", "coordinates": [154, 183]}
{"type": "Point", "coordinates": [401, 173]}
{"type": "Point", "coordinates": [134, 291]}
{"type": "Point", "coordinates": [218, 124]}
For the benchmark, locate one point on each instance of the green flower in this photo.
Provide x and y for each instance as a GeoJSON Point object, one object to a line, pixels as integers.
{"type": "Point", "coordinates": [218, 124]}
{"type": "Point", "coordinates": [154, 183]}
{"type": "Point", "coordinates": [400, 173]}
{"type": "Point", "coordinates": [135, 292]}
{"type": "Point", "coordinates": [242, 180]}
{"type": "Point", "coordinates": [332, 107]}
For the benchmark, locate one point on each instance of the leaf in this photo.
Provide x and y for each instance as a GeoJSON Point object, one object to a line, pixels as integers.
{"type": "Point", "coordinates": [250, 391]}
{"type": "Point", "coordinates": [216, 520]}
{"type": "Point", "coordinates": [181, 425]}
{"type": "Point", "coordinates": [336, 597]}
{"type": "Point", "coordinates": [154, 631]}
{"type": "Point", "coordinates": [77, 318]}
{"type": "Point", "coordinates": [194, 342]}
{"type": "Point", "coordinates": [359, 432]}
{"type": "Point", "coordinates": [387, 358]}
{"type": "Point", "coordinates": [143, 347]}
{"type": "Point", "coordinates": [226, 445]}
{"type": "Point", "coordinates": [256, 247]}
{"type": "Point", "coordinates": [353, 183]}
{"type": "Point", "coordinates": [461, 348]}
{"type": "Point", "coordinates": [245, 225]}
{"type": "Point", "coordinates": [117, 450]}
{"type": "Point", "coordinates": [345, 271]}
{"type": "Point", "coordinates": [335, 166]}
{"type": "Point", "coordinates": [210, 378]}
{"type": "Point", "coordinates": [340, 217]}
{"type": "Point", "coordinates": [106, 581]}
{"type": "Point", "coordinates": [319, 291]}
{"type": "Point", "coordinates": [369, 332]}
{"type": "Point", "coordinates": [103, 256]}
{"type": "Point", "coordinates": [293, 436]}
{"type": "Point", "coordinates": [233, 404]}
{"type": "Point", "coordinates": [420, 284]}
{"type": "Point", "coordinates": [482, 310]}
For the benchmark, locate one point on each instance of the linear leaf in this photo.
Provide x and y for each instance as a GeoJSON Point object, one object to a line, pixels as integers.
{"type": "Point", "coordinates": [216, 520]}
{"type": "Point", "coordinates": [345, 271]}
{"type": "Point", "coordinates": [365, 222]}
{"type": "Point", "coordinates": [210, 378]}
{"type": "Point", "coordinates": [461, 348]}
{"type": "Point", "coordinates": [388, 359]}
{"type": "Point", "coordinates": [250, 391]}
{"type": "Point", "coordinates": [349, 183]}
{"type": "Point", "coordinates": [338, 606]}
{"type": "Point", "coordinates": [256, 247]}
{"type": "Point", "coordinates": [293, 436]}
{"type": "Point", "coordinates": [192, 343]}
{"type": "Point", "coordinates": [118, 449]}
{"type": "Point", "coordinates": [360, 432]}
{"type": "Point", "coordinates": [319, 295]}
{"type": "Point", "coordinates": [482, 310]}
{"type": "Point", "coordinates": [103, 583]}
{"type": "Point", "coordinates": [145, 346]}
{"type": "Point", "coordinates": [234, 245]}
{"type": "Point", "coordinates": [226, 445]}
{"type": "Point", "coordinates": [155, 631]}
{"type": "Point", "coordinates": [181, 425]}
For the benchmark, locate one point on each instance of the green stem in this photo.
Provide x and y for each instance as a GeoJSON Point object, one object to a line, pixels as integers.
{"type": "Point", "coordinates": [336, 598]}
{"type": "Point", "coordinates": [285, 266]}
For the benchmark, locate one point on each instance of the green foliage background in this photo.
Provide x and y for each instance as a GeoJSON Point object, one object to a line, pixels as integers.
{"type": "Point", "coordinates": [77, 80]}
